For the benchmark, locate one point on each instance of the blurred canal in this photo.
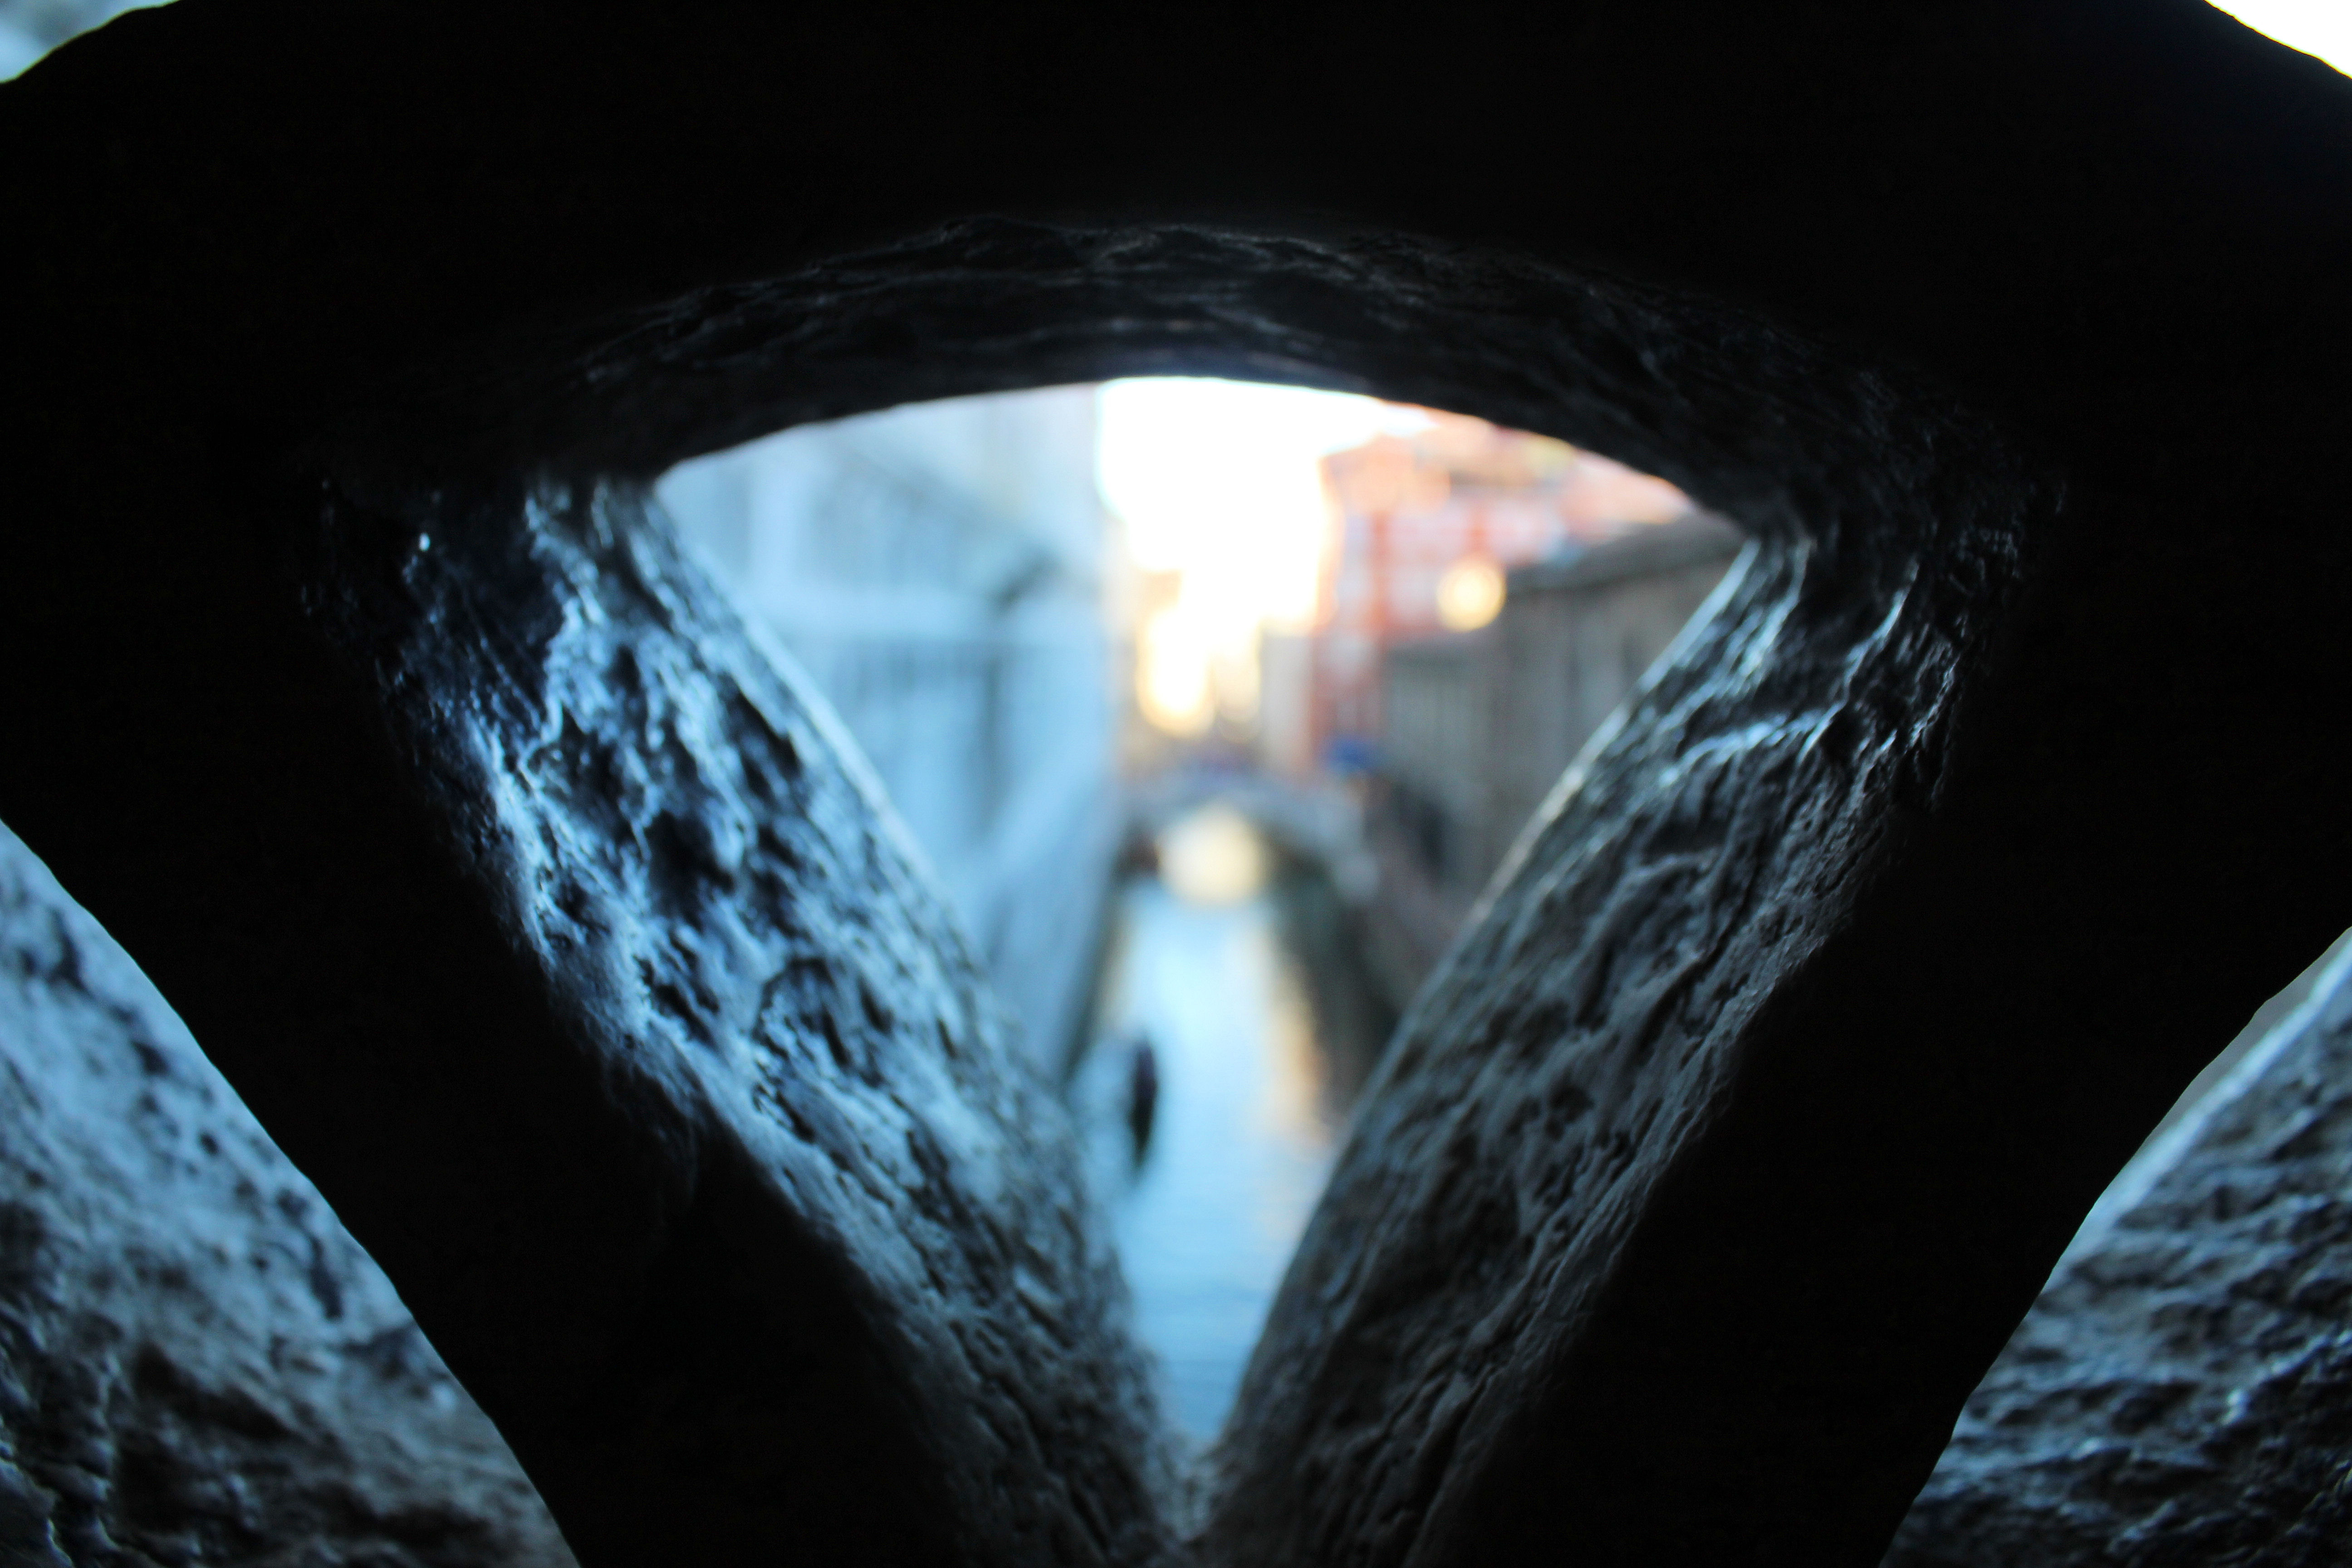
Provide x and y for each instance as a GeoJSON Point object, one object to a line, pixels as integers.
{"type": "Point", "coordinates": [1254, 1055]}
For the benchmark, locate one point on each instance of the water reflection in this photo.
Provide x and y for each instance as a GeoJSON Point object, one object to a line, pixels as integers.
{"type": "Point", "coordinates": [1203, 985]}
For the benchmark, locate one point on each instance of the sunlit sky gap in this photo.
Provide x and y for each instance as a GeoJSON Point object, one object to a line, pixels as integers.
{"type": "Point", "coordinates": [1217, 482]}
{"type": "Point", "coordinates": [2320, 28]}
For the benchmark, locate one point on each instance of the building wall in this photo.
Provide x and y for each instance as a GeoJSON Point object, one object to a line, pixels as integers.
{"type": "Point", "coordinates": [1286, 715]}
{"type": "Point", "coordinates": [1443, 699]}
{"type": "Point", "coordinates": [938, 571]}
{"type": "Point", "coordinates": [1573, 641]}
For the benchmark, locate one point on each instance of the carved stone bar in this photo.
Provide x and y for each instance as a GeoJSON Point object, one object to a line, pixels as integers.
{"type": "Point", "coordinates": [196, 1362]}
{"type": "Point", "coordinates": [350, 683]}
{"type": "Point", "coordinates": [2181, 1392]}
{"type": "Point", "coordinates": [1746, 1123]}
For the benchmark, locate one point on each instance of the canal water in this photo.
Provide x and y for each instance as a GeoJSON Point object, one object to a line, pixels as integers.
{"type": "Point", "coordinates": [1254, 1056]}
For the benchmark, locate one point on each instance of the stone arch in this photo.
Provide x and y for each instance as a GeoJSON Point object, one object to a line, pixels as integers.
{"type": "Point", "coordinates": [541, 926]}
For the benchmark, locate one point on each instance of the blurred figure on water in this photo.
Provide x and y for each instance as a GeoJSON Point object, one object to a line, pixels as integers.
{"type": "Point", "coordinates": [1143, 1094]}
{"type": "Point", "coordinates": [1210, 1098]}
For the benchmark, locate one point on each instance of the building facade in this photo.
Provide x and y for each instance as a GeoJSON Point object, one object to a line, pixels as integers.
{"type": "Point", "coordinates": [1488, 599]}
{"type": "Point", "coordinates": [1423, 529]}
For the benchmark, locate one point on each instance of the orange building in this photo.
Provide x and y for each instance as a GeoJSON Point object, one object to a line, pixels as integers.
{"type": "Point", "coordinates": [1422, 528]}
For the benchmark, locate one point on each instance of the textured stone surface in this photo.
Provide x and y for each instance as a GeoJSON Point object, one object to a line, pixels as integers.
{"type": "Point", "coordinates": [1725, 1155]}
{"type": "Point", "coordinates": [844, 1290]}
{"type": "Point", "coordinates": [2180, 1395]}
{"type": "Point", "coordinates": [1519, 1285]}
{"type": "Point", "coordinates": [1746, 1123]}
{"type": "Point", "coordinates": [197, 1364]}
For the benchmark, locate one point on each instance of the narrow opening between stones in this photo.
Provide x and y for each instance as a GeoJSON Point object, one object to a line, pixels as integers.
{"type": "Point", "coordinates": [1212, 706]}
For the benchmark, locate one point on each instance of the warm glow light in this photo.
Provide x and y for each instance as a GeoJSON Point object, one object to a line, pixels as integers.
{"type": "Point", "coordinates": [1212, 856]}
{"type": "Point", "coordinates": [2320, 27]}
{"type": "Point", "coordinates": [1470, 594]}
{"type": "Point", "coordinates": [1172, 659]}
{"type": "Point", "coordinates": [1217, 481]}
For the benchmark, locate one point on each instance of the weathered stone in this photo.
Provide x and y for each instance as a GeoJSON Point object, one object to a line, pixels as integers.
{"type": "Point", "coordinates": [2180, 1395]}
{"type": "Point", "coordinates": [791, 1249]}
{"type": "Point", "coordinates": [1729, 1150]}
{"type": "Point", "coordinates": [197, 1364]}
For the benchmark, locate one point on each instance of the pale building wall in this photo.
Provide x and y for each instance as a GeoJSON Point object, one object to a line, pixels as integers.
{"type": "Point", "coordinates": [1574, 640]}
{"type": "Point", "coordinates": [1286, 717]}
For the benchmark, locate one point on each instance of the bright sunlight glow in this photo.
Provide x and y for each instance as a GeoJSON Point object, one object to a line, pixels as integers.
{"type": "Point", "coordinates": [1216, 483]}
{"type": "Point", "coordinates": [1470, 595]}
{"type": "Point", "coordinates": [2321, 27]}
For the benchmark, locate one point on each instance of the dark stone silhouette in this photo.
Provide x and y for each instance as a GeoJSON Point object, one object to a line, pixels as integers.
{"type": "Point", "coordinates": [2181, 1392]}
{"type": "Point", "coordinates": [197, 1363]}
{"type": "Point", "coordinates": [352, 686]}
